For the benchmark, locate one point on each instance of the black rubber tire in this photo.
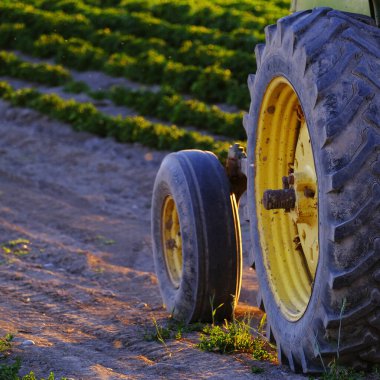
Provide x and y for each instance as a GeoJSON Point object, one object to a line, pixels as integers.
{"type": "Point", "coordinates": [210, 232]}
{"type": "Point", "coordinates": [332, 59]}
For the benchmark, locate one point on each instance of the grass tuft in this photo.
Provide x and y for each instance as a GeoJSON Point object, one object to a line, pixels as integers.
{"type": "Point", "coordinates": [10, 370]}
{"type": "Point", "coordinates": [235, 336]}
{"type": "Point", "coordinates": [337, 372]}
{"type": "Point", "coordinates": [18, 247]}
{"type": "Point", "coordinates": [173, 330]}
{"type": "Point", "coordinates": [5, 344]}
{"type": "Point", "coordinates": [256, 370]}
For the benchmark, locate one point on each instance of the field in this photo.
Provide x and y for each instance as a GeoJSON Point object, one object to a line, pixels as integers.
{"type": "Point", "coordinates": [93, 95]}
{"type": "Point", "coordinates": [189, 70]}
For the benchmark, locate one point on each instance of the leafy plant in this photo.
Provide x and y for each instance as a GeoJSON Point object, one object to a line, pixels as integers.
{"type": "Point", "coordinates": [172, 330]}
{"type": "Point", "coordinates": [256, 370]}
{"type": "Point", "coordinates": [337, 372]}
{"type": "Point", "coordinates": [10, 371]}
{"type": "Point", "coordinates": [5, 343]}
{"type": "Point", "coordinates": [17, 247]}
{"type": "Point", "coordinates": [160, 333]}
{"type": "Point", "coordinates": [235, 336]}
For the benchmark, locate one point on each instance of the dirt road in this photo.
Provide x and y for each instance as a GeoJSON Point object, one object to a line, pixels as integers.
{"type": "Point", "coordinates": [79, 293]}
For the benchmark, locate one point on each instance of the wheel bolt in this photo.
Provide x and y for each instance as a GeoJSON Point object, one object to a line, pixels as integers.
{"type": "Point", "coordinates": [309, 193]}
{"type": "Point", "coordinates": [279, 199]}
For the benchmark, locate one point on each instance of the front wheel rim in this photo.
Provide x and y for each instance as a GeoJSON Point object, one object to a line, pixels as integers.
{"type": "Point", "coordinates": [288, 238]}
{"type": "Point", "coordinates": [172, 241]}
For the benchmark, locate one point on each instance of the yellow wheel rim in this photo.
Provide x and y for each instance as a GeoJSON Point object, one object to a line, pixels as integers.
{"type": "Point", "coordinates": [172, 241]}
{"type": "Point", "coordinates": [288, 238]}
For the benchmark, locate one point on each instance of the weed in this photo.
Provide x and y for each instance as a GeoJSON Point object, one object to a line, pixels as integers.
{"type": "Point", "coordinates": [334, 371]}
{"type": "Point", "coordinates": [18, 247]}
{"type": "Point", "coordinates": [31, 376]}
{"type": "Point", "coordinates": [340, 325]}
{"type": "Point", "coordinates": [104, 240]}
{"type": "Point", "coordinates": [337, 372]}
{"type": "Point", "coordinates": [179, 328]}
{"type": "Point", "coordinates": [214, 310]}
{"type": "Point", "coordinates": [6, 343]}
{"type": "Point", "coordinates": [256, 370]}
{"type": "Point", "coordinates": [173, 330]}
{"type": "Point", "coordinates": [109, 242]}
{"type": "Point", "coordinates": [160, 334]}
{"type": "Point", "coordinates": [10, 371]}
{"type": "Point", "coordinates": [235, 336]}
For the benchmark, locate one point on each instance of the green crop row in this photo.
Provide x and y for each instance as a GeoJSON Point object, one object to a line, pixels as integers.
{"type": "Point", "coordinates": [165, 104]}
{"type": "Point", "coordinates": [85, 117]}
{"type": "Point", "coordinates": [183, 12]}
{"type": "Point", "coordinates": [211, 84]}
{"type": "Point", "coordinates": [252, 6]}
{"type": "Point", "coordinates": [189, 52]}
{"type": "Point", "coordinates": [207, 14]}
{"type": "Point", "coordinates": [80, 20]}
{"type": "Point", "coordinates": [168, 105]}
{"type": "Point", "coordinates": [53, 75]}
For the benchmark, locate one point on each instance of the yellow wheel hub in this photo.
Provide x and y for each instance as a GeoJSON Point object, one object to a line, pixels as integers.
{"type": "Point", "coordinates": [288, 236]}
{"type": "Point", "coordinates": [172, 241]}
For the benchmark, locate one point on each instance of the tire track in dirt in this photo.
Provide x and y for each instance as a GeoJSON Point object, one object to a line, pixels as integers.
{"type": "Point", "coordinates": [86, 293]}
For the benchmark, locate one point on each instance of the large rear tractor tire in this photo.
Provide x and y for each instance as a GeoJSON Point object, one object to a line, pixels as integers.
{"type": "Point", "coordinates": [196, 237]}
{"type": "Point", "coordinates": [314, 119]}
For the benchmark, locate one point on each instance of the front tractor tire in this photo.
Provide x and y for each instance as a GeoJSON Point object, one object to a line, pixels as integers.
{"type": "Point", "coordinates": [196, 237]}
{"type": "Point", "coordinates": [314, 136]}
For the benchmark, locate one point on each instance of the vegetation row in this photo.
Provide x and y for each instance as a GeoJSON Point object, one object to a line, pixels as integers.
{"type": "Point", "coordinates": [53, 75]}
{"type": "Point", "coordinates": [207, 14]}
{"type": "Point", "coordinates": [164, 104]}
{"type": "Point", "coordinates": [242, 5]}
{"type": "Point", "coordinates": [211, 84]}
{"type": "Point", "coordinates": [85, 117]}
{"type": "Point", "coordinates": [192, 53]}
{"type": "Point", "coordinates": [80, 23]}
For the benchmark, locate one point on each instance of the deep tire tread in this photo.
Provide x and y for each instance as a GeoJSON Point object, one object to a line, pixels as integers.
{"type": "Point", "coordinates": [259, 50]}
{"type": "Point", "coordinates": [354, 269]}
{"type": "Point", "coordinates": [358, 160]}
{"type": "Point", "coordinates": [360, 270]}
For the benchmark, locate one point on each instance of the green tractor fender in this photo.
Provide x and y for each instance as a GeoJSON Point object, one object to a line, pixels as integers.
{"type": "Point", "coordinates": [365, 7]}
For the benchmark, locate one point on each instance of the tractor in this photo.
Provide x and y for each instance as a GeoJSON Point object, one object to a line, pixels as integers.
{"type": "Point", "coordinates": [311, 174]}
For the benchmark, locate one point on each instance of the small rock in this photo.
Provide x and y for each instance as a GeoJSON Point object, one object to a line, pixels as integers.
{"type": "Point", "coordinates": [27, 343]}
{"type": "Point", "coordinates": [142, 305]}
{"type": "Point", "coordinates": [48, 265]}
{"type": "Point", "coordinates": [109, 293]}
